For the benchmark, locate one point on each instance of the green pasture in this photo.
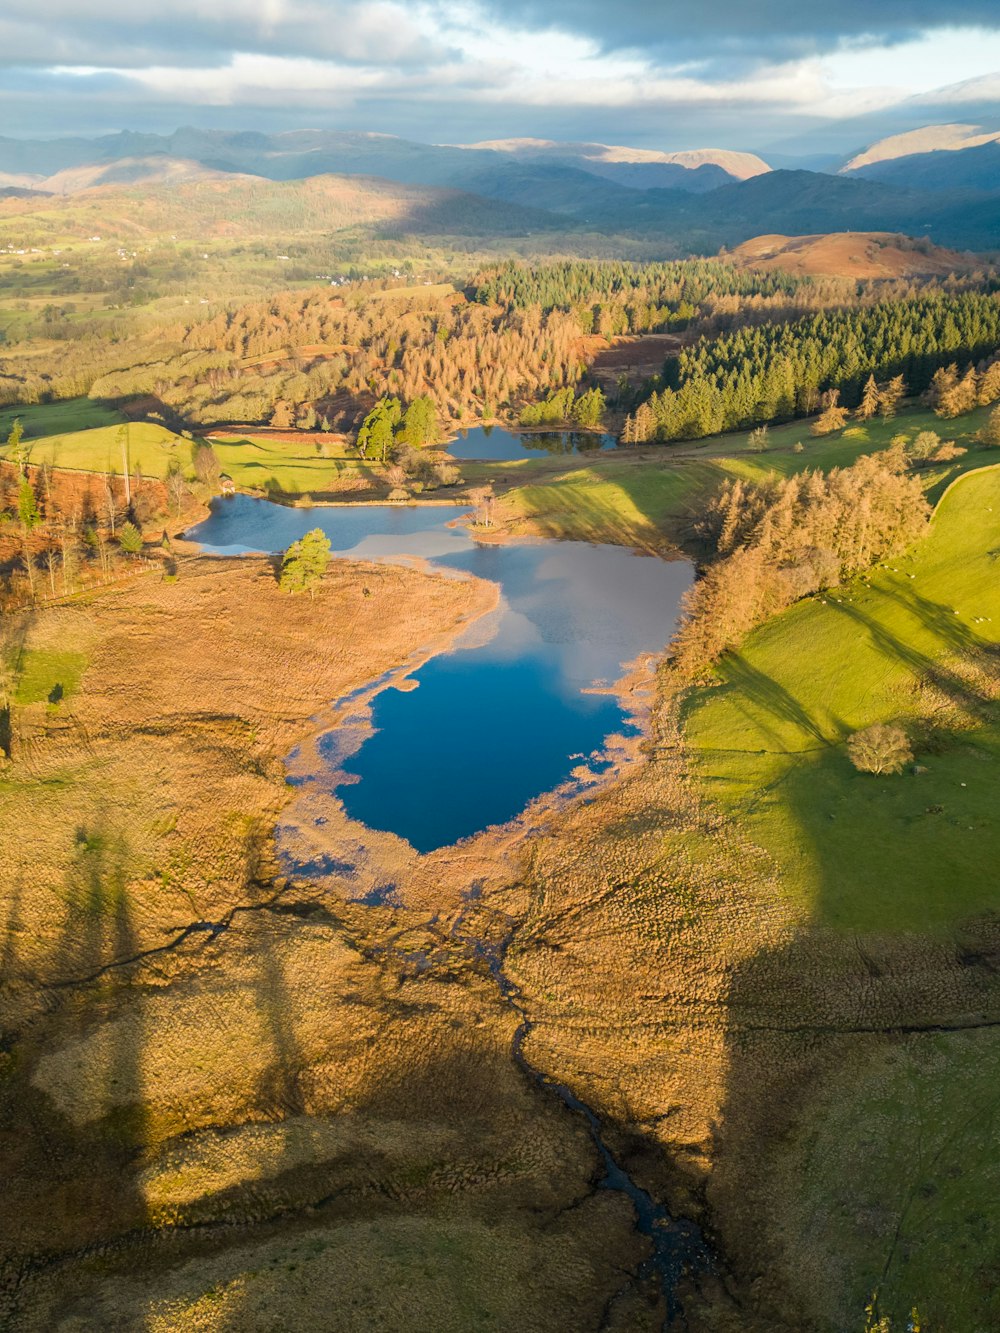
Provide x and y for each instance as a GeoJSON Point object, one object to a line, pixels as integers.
{"type": "Point", "coordinates": [917, 851]}
{"type": "Point", "coordinates": [68, 416]}
{"type": "Point", "coordinates": [638, 495]}
{"type": "Point", "coordinates": [149, 448]}
{"type": "Point", "coordinates": [896, 1183]}
{"type": "Point", "coordinates": [286, 467]}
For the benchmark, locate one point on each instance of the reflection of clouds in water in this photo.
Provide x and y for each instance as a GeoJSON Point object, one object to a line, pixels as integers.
{"type": "Point", "coordinates": [507, 706]}
{"type": "Point", "coordinates": [609, 607]}
{"type": "Point", "coordinates": [429, 545]}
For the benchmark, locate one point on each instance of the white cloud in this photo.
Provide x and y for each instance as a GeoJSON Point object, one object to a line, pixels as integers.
{"type": "Point", "coordinates": [426, 59]}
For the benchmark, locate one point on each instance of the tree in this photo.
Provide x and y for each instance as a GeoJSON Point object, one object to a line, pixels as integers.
{"type": "Point", "coordinates": [890, 395]}
{"type": "Point", "coordinates": [206, 463]}
{"type": "Point", "coordinates": [924, 447]}
{"type": "Point", "coordinates": [27, 512]}
{"type": "Point", "coordinates": [122, 435]}
{"type": "Point", "coordinates": [833, 417]}
{"type": "Point", "coordinates": [375, 438]}
{"type": "Point", "coordinates": [482, 497]}
{"type": "Point", "coordinates": [175, 483]}
{"type": "Point", "coordinates": [18, 453]}
{"type": "Point", "coordinates": [990, 433]}
{"type": "Point", "coordinates": [588, 410]}
{"type": "Point", "coordinates": [880, 749]}
{"type": "Point", "coordinates": [989, 384]}
{"type": "Point", "coordinates": [130, 538]}
{"type": "Point", "coordinates": [282, 418]}
{"type": "Point", "coordinates": [869, 400]}
{"type": "Point", "coordinates": [304, 563]}
{"type": "Point", "coordinates": [757, 440]}
{"type": "Point", "coordinates": [420, 425]}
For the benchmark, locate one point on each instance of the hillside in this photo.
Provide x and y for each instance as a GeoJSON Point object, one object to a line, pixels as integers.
{"type": "Point", "coordinates": [192, 202]}
{"type": "Point", "coordinates": [915, 143]}
{"type": "Point", "coordinates": [975, 168]}
{"type": "Point", "coordinates": [153, 170]}
{"type": "Point", "coordinates": [696, 170]}
{"type": "Point", "coordinates": [850, 255]}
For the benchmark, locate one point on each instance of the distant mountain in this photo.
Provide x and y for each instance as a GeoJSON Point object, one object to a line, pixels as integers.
{"type": "Point", "coordinates": [696, 170]}
{"type": "Point", "coordinates": [806, 203]}
{"type": "Point", "coordinates": [937, 157]}
{"type": "Point", "coordinates": [199, 204]}
{"type": "Point", "coordinates": [296, 154]}
{"type": "Point", "coordinates": [928, 139]}
{"type": "Point", "coordinates": [148, 171]}
{"type": "Point", "coordinates": [526, 186]}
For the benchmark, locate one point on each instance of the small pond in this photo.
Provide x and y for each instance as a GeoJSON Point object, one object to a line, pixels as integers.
{"type": "Point", "coordinates": [495, 444]}
{"type": "Point", "coordinates": [512, 710]}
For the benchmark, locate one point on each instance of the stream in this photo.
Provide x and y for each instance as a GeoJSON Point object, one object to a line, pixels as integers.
{"type": "Point", "coordinates": [520, 705]}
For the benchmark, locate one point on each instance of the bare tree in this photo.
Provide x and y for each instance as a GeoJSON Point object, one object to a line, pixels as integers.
{"type": "Point", "coordinates": [880, 749]}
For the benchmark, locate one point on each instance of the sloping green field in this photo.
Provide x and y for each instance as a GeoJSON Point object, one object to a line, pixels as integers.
{"type": "Point", "coordinates": [150, 449]}
{"type": "Point", "coordinates": [69, 415]}
{"type": "Point", "coordinates": [635, 496]}
{"type": "Point", "coordinates": [260, 462]}
{"type": "Point", "coordinates": [911, 644]}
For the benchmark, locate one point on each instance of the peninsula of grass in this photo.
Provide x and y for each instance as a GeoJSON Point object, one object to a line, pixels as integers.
{"type": "Point", "coordinates": [913, 644]}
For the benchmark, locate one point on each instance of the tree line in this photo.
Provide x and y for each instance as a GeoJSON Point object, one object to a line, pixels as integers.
{"type": "Point", "coordinates": [773, 543]}
{"type": "Point", "coordinates": [774, 372]}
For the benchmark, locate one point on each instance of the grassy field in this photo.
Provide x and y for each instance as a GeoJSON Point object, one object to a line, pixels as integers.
{"type": "Point", "coordinates": [46, 419]}
{"type": "Point", "coordinates": [291, 467]}
{"type": "Point", "coordinates": [638, 496]}
{"type": "Point", "coordinates": [260, 463]}
{"type": "Point", "coordinates": [150, 449]}
{"type": "Point", "coordinates": [910, 644]}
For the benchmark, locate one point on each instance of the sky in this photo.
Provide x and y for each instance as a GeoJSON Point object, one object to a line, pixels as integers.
{"type": "Point", "coordinates": [663, 74]}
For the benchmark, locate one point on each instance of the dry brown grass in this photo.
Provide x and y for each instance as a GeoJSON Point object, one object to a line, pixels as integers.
{"type": "Point", "coordinates": [220, 1128]}
{"type": "Point", "coordinates": [851, 254]}
{"type": "Point", "coordinates": [309, 1117]}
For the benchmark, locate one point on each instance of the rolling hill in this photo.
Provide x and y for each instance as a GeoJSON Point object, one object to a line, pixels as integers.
{"type": "Point", "coordinates": [853, 254]}
{"type": "Point", "coordinates": [194, 203]}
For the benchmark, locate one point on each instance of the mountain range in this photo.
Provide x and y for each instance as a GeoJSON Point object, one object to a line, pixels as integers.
{"type": "Point", "coordinates": [942, 181]}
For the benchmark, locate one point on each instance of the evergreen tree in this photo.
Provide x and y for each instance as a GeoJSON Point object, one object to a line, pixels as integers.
{"type": "Point", "coordinates": [305, 562]}
{"type": "Point", "coordinates": [869, 404]}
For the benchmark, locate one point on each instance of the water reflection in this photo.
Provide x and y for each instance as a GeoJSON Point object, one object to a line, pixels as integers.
{"type": "Point", "coordinates": [510, 712]}
{"type": "Point", "coordinates": [494, 444]}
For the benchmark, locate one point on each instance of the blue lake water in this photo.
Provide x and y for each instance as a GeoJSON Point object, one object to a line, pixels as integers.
{"type": "Point", "coordinates": [494, 444]}
{"type": "Point", "coordinates": [508, 714]}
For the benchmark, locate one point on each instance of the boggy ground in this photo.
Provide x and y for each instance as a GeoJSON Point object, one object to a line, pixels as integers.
{"type": "Point", "coordinates": [227, 1100]}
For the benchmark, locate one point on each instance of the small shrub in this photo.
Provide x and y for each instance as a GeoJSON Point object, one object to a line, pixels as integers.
{"type": "Point", "coordinates": [880, 749]}
{"type": "Point", "coordinates": [798, 447]}
{"type": "Point", "coordinates": [757, 440]}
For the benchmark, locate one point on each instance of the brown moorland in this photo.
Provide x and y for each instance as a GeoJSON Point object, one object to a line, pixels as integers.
{"type": "Point", "coordinates": [851, 254]}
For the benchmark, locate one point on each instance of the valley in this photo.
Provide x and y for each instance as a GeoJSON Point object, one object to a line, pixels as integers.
{"type": "Point", "coordinates": [499, 705]}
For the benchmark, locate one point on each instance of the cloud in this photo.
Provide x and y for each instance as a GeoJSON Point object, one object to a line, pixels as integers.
{"type": "Point", "coordinates": [657, 73]}
{"type": "Point", "coordinates": [717, 29]}
{"type": "Point", "coordinates": [120, 34]}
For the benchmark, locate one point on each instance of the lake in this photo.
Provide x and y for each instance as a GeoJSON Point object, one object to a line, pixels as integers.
{"type": "Point", "coordinates": [494, 444]}
{"type": "Point", "coordinates": [515, 707]}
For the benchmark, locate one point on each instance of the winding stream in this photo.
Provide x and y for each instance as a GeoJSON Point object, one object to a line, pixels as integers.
{"type": "Point", "coordinates": [520, 705]}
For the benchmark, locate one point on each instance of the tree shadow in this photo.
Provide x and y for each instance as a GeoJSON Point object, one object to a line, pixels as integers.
{"type": "Point", "coordinates": [72, 1120]}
